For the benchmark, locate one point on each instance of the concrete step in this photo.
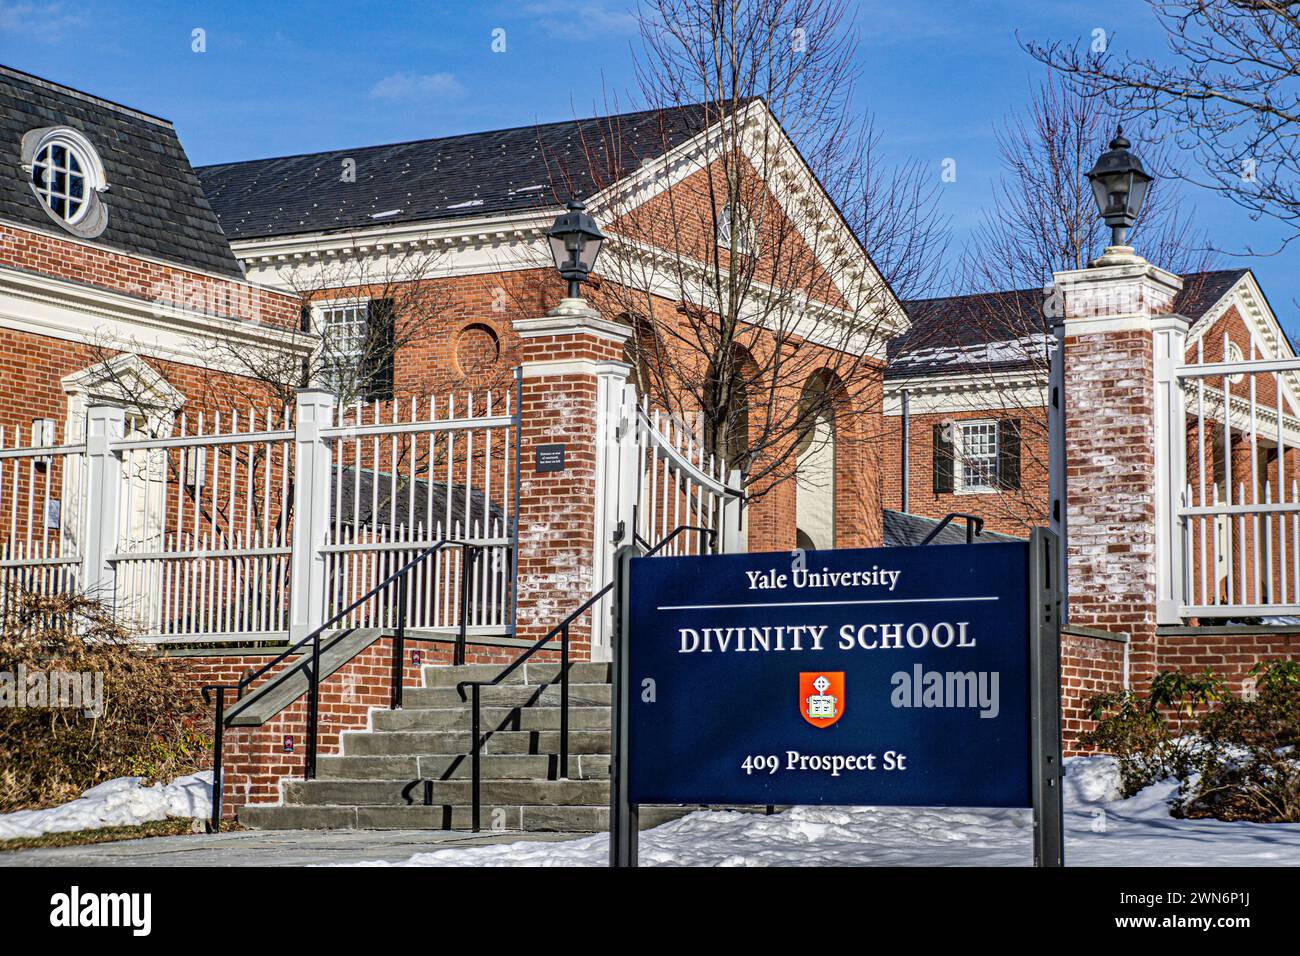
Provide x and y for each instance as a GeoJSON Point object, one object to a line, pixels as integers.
{"type": "Point", "coordinates": [511, 695]}
{"type": "Point", "coordinates": [580, 672]}
{"type": "Point", "coordinates": [578, 819]}
{"type": "Point", "coordinates": [531, 793]}
{"type": "Point", "coordinates": [445, 767]}
{"type": "Point", "coordinates": [491, 718]}
{"type": "Point", "coordinates": [457, 742]}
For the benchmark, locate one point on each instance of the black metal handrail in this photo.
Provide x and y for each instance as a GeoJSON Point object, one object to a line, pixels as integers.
{"type": "Point", "coordinates": [470, 552]}
{"type": "Point", "coordinates": [562, 630]}
{"type": "Point", "coordinates": [974, 527]}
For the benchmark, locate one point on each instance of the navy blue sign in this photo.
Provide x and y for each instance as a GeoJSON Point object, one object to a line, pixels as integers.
{"type": "Point", "coordinates": [885, 676]}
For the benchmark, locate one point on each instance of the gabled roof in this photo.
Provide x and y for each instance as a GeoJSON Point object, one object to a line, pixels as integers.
{"type": "Point", "coordinates": [1002, 331]}
{"type": "Point", "coordinates": [155, 204]}
{"type": "Point", "coordinates": [474, 174]}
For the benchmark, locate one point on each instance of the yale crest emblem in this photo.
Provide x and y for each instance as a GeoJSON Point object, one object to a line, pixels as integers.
{"type": "Point", "coordinates": [821, 697]}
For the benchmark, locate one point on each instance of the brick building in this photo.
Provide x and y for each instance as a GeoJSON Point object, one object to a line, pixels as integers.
{"type": "Point", "coordinates": [390, 313]}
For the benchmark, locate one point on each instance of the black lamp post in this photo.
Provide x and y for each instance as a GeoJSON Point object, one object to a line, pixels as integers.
{"type": "Point", "coordinates": [1119, 185]}
{"type": "Point", "coordinates": [575, 242]}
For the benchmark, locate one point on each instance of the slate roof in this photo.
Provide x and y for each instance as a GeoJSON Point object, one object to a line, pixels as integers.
{"type": "Point", "coordinates": [908, 530]}
{"type": "Point", "coordinates": [997, 331]}
{"type": "Point", "coordinates": [393, 512]}
{"type": "Point", "coordinates": [473, 174]}
{"type": "Point", "coordinates": [155, 204]}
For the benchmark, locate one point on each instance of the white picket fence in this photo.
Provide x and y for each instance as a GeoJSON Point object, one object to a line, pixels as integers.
{"type": "Point", "coordinates": [1236, 510]}
{"type": "Point", "coordinates": [407, 475]}
{"type": "Point", "coordinates": [39, 553]}
{"type": "Point", "coordinates": [203, 549]}
{"type": "Point", "coordinates": [263, 523]}
{"type": "Point", "coordinates": [682, 484]}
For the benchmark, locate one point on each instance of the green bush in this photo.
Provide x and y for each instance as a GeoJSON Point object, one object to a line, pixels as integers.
{"type": "Point", "coordinates": [1248, 767]}
{"type": "Point", "coordinates": [151, 724]}
{"type": "Point", "coordinates": [1136, 730]}
{"type": "Point", "coordinates": [1238, 761]}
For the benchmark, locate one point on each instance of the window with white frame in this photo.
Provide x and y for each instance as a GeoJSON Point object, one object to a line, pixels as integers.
{"type": "Point", "coordinates": [977, 456]}
{"type": "Point", "coordinates": [343, 330]}
{"type": "Point", "coordinates": [67, 177]}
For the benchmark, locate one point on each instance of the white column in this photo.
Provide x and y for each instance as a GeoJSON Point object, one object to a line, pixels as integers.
{"type": "Point", "coordinates": [311, 486]}
{"type": "Point", "coordinates": [1169, 344]}
{"type": "Point", "coordinates": [610, 503]}
{"type": "Point", "coordinates": [735, 536]}
{"type": "Point", "coordinates": [104, 424]}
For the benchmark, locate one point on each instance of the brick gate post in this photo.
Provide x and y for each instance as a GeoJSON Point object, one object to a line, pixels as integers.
{"type": "Point", "coordinates": [1122, 444]}
{"type": "Point", "coordinates": [573, 376]}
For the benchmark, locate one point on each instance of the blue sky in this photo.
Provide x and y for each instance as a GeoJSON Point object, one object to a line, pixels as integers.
{"type": "Point", "coordinates": [294, 76]}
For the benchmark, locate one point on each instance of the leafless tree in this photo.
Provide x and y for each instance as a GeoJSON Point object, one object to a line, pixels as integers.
{"type": "Point", "coordinates": [756, 303]}
{"type": "Point", "coordinates": [1042, 219]}
{"type": "Point", "coordinates": [366, 304]}
{"type": "Point", "coordinates": [361, 308]}
{"type": "Point", "coordinates": [1229, 93]}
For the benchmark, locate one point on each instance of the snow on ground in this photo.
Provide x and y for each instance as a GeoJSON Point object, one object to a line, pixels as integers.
{"type": "Point", "coordinates": [1101, 830]}
{"type": "Point", "coordinates": [122, 802]}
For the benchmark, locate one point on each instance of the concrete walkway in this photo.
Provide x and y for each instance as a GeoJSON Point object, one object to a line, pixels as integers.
{"type": "Point", "coordinates": [265, 848]}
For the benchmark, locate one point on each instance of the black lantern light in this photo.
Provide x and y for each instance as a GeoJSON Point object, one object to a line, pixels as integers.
{"type": "Point", "coordinates": [1119, 185]}
{"type": "Point", "coordinates": [575, 242]}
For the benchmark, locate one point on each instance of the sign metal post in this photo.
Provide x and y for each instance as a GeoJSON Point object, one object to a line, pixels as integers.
{"type": "Point", "coordinates": [623, 814]}
{"type": "Point", "coordinates": [1045, 700]}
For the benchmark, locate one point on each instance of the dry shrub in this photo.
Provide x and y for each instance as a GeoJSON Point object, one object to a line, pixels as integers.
{"type": "Point", "coordinates": [1239, 760]}
{"type": "Point", "coordinates": [151, 722]}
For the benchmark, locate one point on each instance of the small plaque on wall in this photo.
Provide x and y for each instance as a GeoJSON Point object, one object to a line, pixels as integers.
{"type": "Point", "coordinates": [550, 458]}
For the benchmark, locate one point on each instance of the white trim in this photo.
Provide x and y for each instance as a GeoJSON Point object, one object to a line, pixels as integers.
{"type": "Point", "coordinates": [61, 309]}
{"type": "Point", "coordinates": [569, 367]}
{"type": "Point", "coordinates": [786, 176]}
{"type": "Point", "coordinates": [465, 241]}
{"type": "Point", "coordinates": [90, 381]}
{"type": "Point", "coordinates": [967, 392]}
{"type": "Point", "coordinates": [590, 324]}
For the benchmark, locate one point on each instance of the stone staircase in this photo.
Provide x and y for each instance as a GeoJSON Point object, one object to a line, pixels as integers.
{"type": "Point", "coordinates": [412, 769]}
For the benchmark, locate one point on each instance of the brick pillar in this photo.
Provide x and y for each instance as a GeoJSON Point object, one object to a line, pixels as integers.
{"type": "Point", "coordinates": [1121, 343]}
{"type": "Point", "coordinates": [573, 373]}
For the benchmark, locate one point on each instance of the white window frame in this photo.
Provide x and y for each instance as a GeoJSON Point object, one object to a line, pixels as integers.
{"type": "Point", "coordinates": [960, 456]}
{"type": "Point", "coordinates": [333, 359]}
{"type": "Point", "coordinates": [91, 216]}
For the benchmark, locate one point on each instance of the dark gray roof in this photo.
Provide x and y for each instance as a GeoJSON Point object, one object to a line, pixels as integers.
{"type": "Point", "coordinates": [994, 331]}
{"type": "Point", "coordinates": [451, 177]}
{"type": "Point", "coordinates": [907, 530]}
{"type": "Point", "coordinates": [155, 204]}
{"type": "Point", "coordinates": [394, 511]}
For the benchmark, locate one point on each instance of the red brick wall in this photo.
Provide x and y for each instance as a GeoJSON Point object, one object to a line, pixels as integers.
{"type": "Point", "coordinates": [1110, 450]}
{"type": "Point", "coordinates": [1009, 512]}
{"type": "Point", "coordinates": [254, 760]}
{"type": "Point", "coordinates": [141, 278]}
{"type": "Point", "coordinates": [1089, 666]}
{"type": "Point", "coordinates": [1230, 656]}
{"type": "Point", "coordinates": [32, 366]}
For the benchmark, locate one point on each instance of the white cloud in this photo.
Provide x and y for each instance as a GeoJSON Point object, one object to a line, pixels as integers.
{"type": "Point", "coordinates": [417, 86]}
{"type": "Point", "coordinates": [581, 19]}
{"type": "Point", "coordinates": [40, 21]}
